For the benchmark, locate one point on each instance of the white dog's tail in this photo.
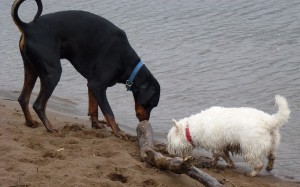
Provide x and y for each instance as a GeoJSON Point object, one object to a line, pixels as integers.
{"type": "Point", "coordinates": [283, 112]}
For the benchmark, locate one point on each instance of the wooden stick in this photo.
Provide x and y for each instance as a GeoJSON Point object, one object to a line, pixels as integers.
{"type": "Point", "coordinates": [176, 165]}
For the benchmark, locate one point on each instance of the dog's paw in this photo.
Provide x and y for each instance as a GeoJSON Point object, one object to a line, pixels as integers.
{"type": "Point", "coordinates": [230, 166]}
{"type": "Point", "coordinates": [102, 121]}
{"type": "Point", "coordinates": [97, 125]}
{"type": "Point", "coordinates": [32, 124]}
{"type": "Point", "coordinates": [251, 174]}
{"type": "Point", "coordinates": [122, 135]}
{"type": "Point", "coordinates": [269, 168]}
{"type": "Point", "coordinates": [53, 130]}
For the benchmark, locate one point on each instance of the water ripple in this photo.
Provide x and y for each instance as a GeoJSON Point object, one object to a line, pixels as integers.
{"type": "Point", "coordinates": [204, 53]}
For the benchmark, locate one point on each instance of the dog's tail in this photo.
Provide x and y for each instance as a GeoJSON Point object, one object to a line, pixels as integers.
{"type": "Point", "coordinates": [283, 112]}
{"type": "Point", "coordinates": [14, 13]}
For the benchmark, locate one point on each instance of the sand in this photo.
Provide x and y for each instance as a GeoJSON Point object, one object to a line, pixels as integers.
{"type": "Point", "coordinates": [81, 156]}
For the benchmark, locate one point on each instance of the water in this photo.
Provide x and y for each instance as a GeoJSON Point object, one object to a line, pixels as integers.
{"type": "Point", "coordinates": [204, 53]}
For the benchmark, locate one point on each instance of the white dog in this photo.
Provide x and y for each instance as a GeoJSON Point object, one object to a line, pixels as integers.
{"type": "Point", "coordinates": [249, 132]}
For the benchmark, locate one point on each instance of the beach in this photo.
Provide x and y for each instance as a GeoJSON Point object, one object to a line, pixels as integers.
{"type": "Point", "coordinates": [203, 54]}
{"type": "Point", "coordinates": [82, 156]}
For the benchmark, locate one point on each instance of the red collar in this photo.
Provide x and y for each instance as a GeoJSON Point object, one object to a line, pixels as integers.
{"type": "Point", "coordinates": [187, 134]}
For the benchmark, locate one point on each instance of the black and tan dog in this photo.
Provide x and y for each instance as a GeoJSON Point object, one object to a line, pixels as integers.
{"type": "Point", "coordinates": [97, 49]}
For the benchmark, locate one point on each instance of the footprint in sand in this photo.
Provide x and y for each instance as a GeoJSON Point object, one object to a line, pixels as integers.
{"type": "Point", "coordinates": [53, 155]}
{"type": "Point", "coordinates": [117, 177]}
{"type": "Point", "coordinates": [150, 182]}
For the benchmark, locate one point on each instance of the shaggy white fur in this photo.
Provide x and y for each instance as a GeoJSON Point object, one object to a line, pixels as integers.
{"type": "Point", "coordinates": [247, 131]}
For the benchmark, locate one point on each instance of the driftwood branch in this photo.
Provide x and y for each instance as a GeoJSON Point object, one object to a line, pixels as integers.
{"type": "Point", "coordinates": [176, 165]}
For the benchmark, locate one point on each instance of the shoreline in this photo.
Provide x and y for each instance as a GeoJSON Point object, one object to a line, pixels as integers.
{"type": "Point", "coordinates": [62, 106]}
{"type": "Point", "coordinates": [56, 105]}
{"type": "Point", "coordinates": [82, 156]}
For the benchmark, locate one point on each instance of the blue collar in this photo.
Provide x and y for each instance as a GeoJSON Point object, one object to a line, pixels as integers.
{"type": "Point", "coordinates": [129, 82]}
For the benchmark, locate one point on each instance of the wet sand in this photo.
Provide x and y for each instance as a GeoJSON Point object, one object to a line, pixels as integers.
{"type": "Point", "coordinates": [81, 156]}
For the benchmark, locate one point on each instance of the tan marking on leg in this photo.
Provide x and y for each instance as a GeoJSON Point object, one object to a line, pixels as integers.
{"type": "Point", "coordinates": [93, 111]}
{"type": "Point", "coordinates": [141, 113]}
{"type": "Point", "coordinates": [22, 43]}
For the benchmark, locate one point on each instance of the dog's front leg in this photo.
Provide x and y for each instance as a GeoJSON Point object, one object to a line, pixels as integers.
{"type": "Point", "coordinates": [99, 92]}
{"type": "Point", "coordinates": [225, 155]}
{"type": "Point", "coordinates": [215, 158]}
{"type": "Point", "coordinates": [93, 111]}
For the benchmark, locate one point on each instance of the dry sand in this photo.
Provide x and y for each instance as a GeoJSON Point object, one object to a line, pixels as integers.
{"type": "Point", "coordinates": [81, 156]}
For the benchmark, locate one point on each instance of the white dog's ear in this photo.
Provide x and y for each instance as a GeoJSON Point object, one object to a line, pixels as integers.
{"type": "Point", "coordinates": [176, 124]}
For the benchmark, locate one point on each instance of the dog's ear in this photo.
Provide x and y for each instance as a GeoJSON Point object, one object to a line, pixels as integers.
{"type": "Point", "coordinates": [176, 124]}
{"type": "Point", "coordinates": [174, 120]}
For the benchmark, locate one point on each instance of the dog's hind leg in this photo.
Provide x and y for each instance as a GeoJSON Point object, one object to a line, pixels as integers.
{"type": "Point", "coordinates": [30, 77]}
{"type": "Point", "coordinates": [48, 83]}
{"type": "Point", "coordinates": [271, 159]}
{"type": "Point", "coordinates": [275, 136]}
{"type": "Point", "coordinates": [47, 61]}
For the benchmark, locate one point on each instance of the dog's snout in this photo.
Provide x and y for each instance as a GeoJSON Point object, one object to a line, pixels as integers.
{"type": "Point", "coordinates": [142, 113]}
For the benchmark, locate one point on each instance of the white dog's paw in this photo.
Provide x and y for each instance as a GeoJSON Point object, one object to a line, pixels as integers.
{"type": "Point", "coordinates": [230, 166]}
{"type": "Point", "coordinates": [251, 174]}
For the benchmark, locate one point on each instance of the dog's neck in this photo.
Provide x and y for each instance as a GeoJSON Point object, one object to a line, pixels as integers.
{"type": "Point", "coordinates": [188, 134]}
{"type": "Point", "coordinates": [129, 82]}
{"type": "Point", "coordinates": [144, 75]}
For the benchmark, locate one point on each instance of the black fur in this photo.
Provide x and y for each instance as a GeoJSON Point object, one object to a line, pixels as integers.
{"type": "Point", "coordinates": [97, 49]}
